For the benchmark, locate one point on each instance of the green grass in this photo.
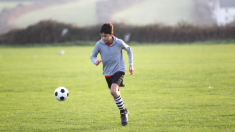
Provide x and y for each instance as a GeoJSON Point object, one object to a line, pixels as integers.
{"type": "Point", "coordinates": [80, 13]}
{"type": "Point", "coordinates": [169, 90]}
{"type": "Point", "coordinates": [157, 11]}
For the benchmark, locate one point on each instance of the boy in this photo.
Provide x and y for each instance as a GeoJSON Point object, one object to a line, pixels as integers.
{"type": "Point", "coordinates": [110, 49]}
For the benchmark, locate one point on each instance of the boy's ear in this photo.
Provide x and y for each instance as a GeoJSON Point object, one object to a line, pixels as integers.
{"type": "Point", "coordinates": [112, 34]}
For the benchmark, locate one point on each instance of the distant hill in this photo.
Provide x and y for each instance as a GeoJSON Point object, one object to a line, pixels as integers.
{"type": "Point", "coordinates": [78, 12]}
{"type": "Point", "coordinates": [13, 9]}
{"type": "Point", "coordinates": [90, 12]}
{"type": "Point", "coordinates": [167, 12]}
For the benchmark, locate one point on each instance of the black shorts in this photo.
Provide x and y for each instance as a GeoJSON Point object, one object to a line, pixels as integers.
{"type": "Point", "coordinates": [116, 78]}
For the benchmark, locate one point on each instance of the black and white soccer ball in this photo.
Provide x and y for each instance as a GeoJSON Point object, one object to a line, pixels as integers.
{"type": "Point", "coordinates": [61, 93]}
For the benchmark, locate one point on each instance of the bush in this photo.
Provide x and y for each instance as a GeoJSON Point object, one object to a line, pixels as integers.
{"type": "Point", "coordinates": [50, 31]}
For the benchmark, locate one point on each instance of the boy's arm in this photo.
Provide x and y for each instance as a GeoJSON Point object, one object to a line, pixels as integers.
{"type": "Point", "coordinates": [130, 56]}
{"type": "Point", "coordinates": [94, 56]}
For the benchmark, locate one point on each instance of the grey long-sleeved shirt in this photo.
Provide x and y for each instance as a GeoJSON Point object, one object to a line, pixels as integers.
{"type": "Point", "coordinates": [112, 56]}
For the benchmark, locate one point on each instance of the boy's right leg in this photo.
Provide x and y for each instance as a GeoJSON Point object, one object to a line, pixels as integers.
{"type": "Point", "coordinates": [114, 83]}
{"type": "Point", "coordinates": [114, 90]}
{"type": "Point", "coordinates": [119, 102]}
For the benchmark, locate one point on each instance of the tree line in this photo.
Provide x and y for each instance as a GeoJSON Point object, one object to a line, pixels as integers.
{"type": "Point", "coordinates": [52, 32]}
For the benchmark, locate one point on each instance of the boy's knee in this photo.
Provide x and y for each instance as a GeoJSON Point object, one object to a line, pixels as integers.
{"type": "Point", "coordinates": [113, 92]}
{"type": "Point", "coordinates": [114, 89]}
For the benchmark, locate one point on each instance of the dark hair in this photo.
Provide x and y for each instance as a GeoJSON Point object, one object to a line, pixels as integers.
{"type": "Point", "coordinates": [106, 28]}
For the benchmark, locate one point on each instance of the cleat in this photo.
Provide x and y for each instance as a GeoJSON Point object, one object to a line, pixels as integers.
{"type": "Point", "coordinates": [124, 124]}
{"type": "Point", "coordinates": [124, 118]}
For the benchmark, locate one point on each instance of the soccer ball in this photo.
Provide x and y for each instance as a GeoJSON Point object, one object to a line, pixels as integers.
{"type": "Point", "coordinates": [61, 93]}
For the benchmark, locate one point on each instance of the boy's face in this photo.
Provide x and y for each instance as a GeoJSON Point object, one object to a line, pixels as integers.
{"type": "Point", "coordinates": [107, 38]}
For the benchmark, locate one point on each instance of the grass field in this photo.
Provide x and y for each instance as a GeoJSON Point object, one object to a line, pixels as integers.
{"type": "Point", "coordinates": [173, 88]}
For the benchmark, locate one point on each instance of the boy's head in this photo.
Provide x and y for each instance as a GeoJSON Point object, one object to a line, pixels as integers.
{"type": "Point", "coordinates": [106, 28]}
{"type": "Point", "coordinates": [106, 32]}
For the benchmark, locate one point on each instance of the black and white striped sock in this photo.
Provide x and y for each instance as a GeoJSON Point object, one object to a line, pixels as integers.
{"type": "Point", "coordinates": [120, 104]}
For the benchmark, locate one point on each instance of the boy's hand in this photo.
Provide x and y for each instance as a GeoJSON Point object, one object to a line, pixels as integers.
{"type": "Point", "coordinates": [98, 62]}
{"type": "Point", "coordinates": [131, 69]}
